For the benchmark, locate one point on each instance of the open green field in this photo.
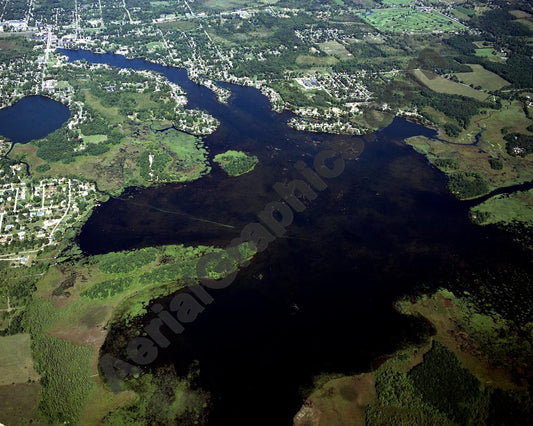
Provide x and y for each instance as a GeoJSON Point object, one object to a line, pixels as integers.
{"type": "Point", "coordinates": [94, 138]}
{"type": "Point", "coordinates": [186, 158]}
{"type": "Point", "coordinates": [442, 85]}
{"type": "Point", "coordinates": [155, 44]}
{"type": "Point", "coordinates": [527, 23]}
{"type": "Point", "coordinates": [14, 41]}
{"type": "Point", "coordinates": [464, 11]}
{"type": "Point", "coordinates": [334, 48]}
{"type": "Point", "coordinates": [521, 14]}
{"type": "Point", "coordinates": [234, 4]}
{"type": "Point", "coordinates": [18, 404]}
{"type": "Point", "coordinates": [16, 364]}
{"type": "Point", "coordinates": [316, 61]}
{"type": "Point", "coordinates": [397, 2]}
{"type": "Point", "coordinates": [523, 17]}
{"type": "Point", "coordinates": [184, 26]}
{"type": "Point", "coordinates": [487, 52]}
{"type": "Point", "coordinates": [409, 20]}
{"type": "Point", "coordinates": [482, 77]}
{"type": "Point", "coordinates": [460, 15]}
{"type": "Point", "coordinates": [111, 114]}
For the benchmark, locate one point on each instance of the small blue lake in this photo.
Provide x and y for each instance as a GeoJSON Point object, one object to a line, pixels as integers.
{"type": "Point", "coordinates": [33, 117]}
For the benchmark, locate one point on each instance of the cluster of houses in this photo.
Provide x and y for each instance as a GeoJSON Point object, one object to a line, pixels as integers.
{"type": "Point", "coordinates": [14, 25]}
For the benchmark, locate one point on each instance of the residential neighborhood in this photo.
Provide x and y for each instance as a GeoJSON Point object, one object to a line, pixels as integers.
{"type": "Point", "coordinates": [35, 213]}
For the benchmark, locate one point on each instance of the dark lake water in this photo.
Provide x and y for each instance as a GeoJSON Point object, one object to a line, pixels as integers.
{"type": "Point", "coordinates": [318, 300]}
{"type": "Point", "coordinates": [33, 117]}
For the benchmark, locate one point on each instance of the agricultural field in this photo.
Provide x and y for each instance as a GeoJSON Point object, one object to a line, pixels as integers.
{"type": "Point", "coordinates": [483, 78]}
{"type": "Point", "coordinates": [410, 21]}
{"type": "Point", "coordinates": [442, 85]}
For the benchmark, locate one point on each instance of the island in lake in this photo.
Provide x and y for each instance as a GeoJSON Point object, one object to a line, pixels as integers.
{"type": "Point", "coordinates": [236, 163]}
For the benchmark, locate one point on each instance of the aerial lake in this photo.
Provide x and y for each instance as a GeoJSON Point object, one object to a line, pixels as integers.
{"type": "Point", "coordinates": [33, 117]}
{"type": "Point", "coordinates": [319, 299]}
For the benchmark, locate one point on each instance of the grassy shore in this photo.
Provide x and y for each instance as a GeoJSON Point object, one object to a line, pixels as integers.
{"type": "Point", "coordinates": [489, 159]}
{"type": "Point", "coordinates": [68, 319]}
{"type": "Point", "coordinates": [474, 369]}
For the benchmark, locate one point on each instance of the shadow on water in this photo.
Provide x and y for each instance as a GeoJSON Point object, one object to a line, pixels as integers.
{"type": "Point", "coordinates": [318, 300]}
